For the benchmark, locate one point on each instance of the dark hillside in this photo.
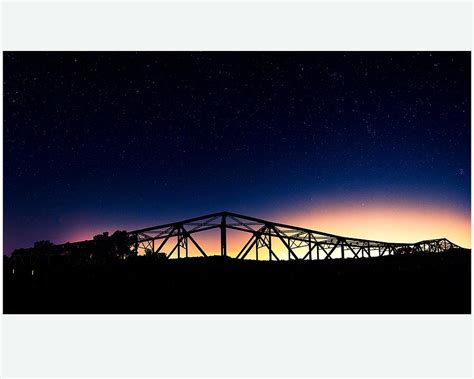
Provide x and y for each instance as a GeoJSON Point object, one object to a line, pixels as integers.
{"type": "Point", "coordinates": [416, 283]}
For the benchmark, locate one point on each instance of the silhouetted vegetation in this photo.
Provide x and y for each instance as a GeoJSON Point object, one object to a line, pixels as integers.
{"type": "Point", "coordinates": [44, 255]}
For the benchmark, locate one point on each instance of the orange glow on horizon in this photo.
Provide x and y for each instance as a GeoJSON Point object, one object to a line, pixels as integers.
{"type": "Point", "coordinates": [379, 220]}
{"type": "Point", "coordinates": [386, 221]}
{"type": "Point", "coordinates": [382, 220]}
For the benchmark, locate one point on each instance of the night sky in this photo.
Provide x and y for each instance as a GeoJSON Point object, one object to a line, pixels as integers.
{"type": "Point", "coordinates": [104, 141]}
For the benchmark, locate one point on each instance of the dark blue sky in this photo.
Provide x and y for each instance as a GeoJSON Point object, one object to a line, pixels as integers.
{"type": "Point", "coordinates": [97, 141]}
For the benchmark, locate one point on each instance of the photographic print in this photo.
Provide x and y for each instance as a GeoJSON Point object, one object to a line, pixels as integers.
{"type": "Point", "coordinates": [237, 182]}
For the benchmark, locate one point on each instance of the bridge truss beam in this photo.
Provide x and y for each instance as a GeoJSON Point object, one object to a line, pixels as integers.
{"type": "Point", "coordinates": [299, 243]}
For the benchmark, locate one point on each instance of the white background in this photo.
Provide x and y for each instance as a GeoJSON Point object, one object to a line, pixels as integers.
{"type": "Point", "coordinates": [250, 345]}
{"type": "Point", "coordinates": [257, 345]}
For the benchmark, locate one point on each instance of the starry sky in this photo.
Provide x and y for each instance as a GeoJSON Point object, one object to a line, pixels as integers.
{"type": "Point", "coordinates": [373, 145]}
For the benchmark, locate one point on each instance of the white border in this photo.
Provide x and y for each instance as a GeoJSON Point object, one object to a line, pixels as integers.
{"type": "Point", "coordinates": [231, 25]}
{"type": "Point", "coordinates": [209, 345]}
{"type": "Point", "coordinates": [251, 345]}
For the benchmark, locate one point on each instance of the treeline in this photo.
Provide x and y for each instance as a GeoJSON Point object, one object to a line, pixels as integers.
{"type": "Point", "coordinates": [103, 248]}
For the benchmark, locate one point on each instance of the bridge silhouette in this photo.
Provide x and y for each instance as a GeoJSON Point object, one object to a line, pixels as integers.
{"type": "Point", "coordinates": [298, 243]}
{"type": "Point", "coordinates": [122, 272]}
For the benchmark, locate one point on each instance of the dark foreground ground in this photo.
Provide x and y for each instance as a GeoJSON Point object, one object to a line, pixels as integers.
{"type": "Point", "coordinates": [431, 283]}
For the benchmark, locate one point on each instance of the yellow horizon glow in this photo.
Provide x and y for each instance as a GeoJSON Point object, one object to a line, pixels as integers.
{"type": "Point", "coordinates": [408, 221]}
{"type": "Point", "coordinates": [381, 220]}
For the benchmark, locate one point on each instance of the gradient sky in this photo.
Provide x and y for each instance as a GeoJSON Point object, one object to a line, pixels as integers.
{"type": "Point", "coordinates": [371, 145]}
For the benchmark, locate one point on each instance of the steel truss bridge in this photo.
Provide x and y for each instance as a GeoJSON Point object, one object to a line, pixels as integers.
{"type": "Point", "coordinates": [263, 236]}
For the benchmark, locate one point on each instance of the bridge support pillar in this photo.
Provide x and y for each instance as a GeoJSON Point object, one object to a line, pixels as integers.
{"type": "Point", "coordinates": [269, 245]}
{"type": "Point", "coordinates": [223, 236]}
{"type": "Point", "coordinates": [309, 246]}
{"type": "Point", "coordinates": [178, 242]}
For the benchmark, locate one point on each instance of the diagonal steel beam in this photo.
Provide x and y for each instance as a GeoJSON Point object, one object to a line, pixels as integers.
{"type": "Point", "coordinates": [353, 252]}
{"type": "Point", "coordinates": [328, 256]}
{"type": "Point", "coordinates": [197, 245]}
{"type": "Point", "coordinates": [174, 248]}
{"type": "Point", "coordinates": [245, 247]}
{"type": "Point", "coordinates": [269, 248]}
{"type": "Point", "coordinates": [284, 242]}
{"type": "Point", "coordinates": [255, 240]}
{"type": "Point", "coordinates": [165, 240]}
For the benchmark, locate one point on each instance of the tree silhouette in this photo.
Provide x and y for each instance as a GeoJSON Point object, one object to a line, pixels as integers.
{"type": "Point", "coordinates": [121, 244]}
{"type": "Point", "coordinates": [101, 248]}
{"type": "Point", "coordinates": [116, 246]}
{"type": "Point", "coordinates": [43, 246]}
